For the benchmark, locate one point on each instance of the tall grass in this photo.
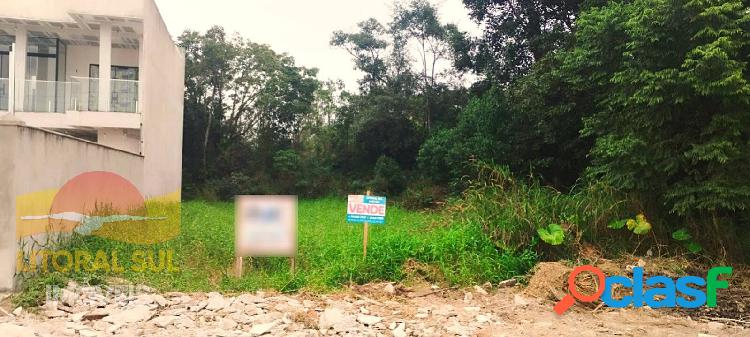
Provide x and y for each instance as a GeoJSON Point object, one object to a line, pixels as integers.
{"type": "Point", "coordinates": [411, 245]}
{"type": "Point", "coordinates": [510, 210]}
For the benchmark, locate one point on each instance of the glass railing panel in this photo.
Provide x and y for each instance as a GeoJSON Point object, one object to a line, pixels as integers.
{"type": "Point", "coordinates": [4, 91]}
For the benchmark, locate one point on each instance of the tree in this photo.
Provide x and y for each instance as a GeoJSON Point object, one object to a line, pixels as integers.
{"type": "Point", "coordinates": [246, 101]}
{"type": "Point", "coordinates": [367, 47]}
{"type": "Point", "coordinates": [672, 121]}
{"type": "Point", "coordinates": [418, 23]}
{"type": "Point", "coordinates": [516, 34]}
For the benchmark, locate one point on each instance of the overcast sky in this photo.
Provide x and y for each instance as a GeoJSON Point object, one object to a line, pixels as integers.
{"type": "Point", "coordinates": [301, 28]}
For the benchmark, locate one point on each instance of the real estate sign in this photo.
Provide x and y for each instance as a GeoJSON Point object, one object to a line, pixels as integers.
{"type": "Point", "coordinates": [366, 208]}
{"type": "Point", "coordinates": [266, 225]}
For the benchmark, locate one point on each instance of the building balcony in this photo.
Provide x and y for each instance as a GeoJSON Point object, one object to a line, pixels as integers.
{"type": "Point", "coordinates": [75, 104]}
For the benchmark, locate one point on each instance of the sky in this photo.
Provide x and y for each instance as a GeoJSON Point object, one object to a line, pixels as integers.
{"type": "Point", "coordinates": [300, 28]}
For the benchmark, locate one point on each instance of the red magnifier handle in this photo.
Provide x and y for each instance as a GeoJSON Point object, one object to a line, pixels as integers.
{"type": "Point", "coordinates": [564, 304]}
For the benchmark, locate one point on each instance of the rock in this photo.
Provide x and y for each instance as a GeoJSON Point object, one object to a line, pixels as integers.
{"type": "Point", "coordinates": [520, 300]}
{"type": "Point", "coordinates": [55, 313]}
{"type": "Point", "coordinates": [174, 312]}
{"type": "Point", "coordinates": [136, 314]}
{"type": "Point", "coordinates": [112, 329]}
{"type": "Point", "coordinates": [482, 318]}
{"type": "Point", "coordinates": [227, 324]}
{"type": "Point", "coordinates": [336, 319]}
{"type": "Point", "coordinates": [101, 326]}
{"type": "Point", "coordinates": [459, 329]}
{"type": "Point", "coordinates": [75, 326]}
{"type": "Point", "coordinates": [250, 299]}
{"type": "Point", "coordinates": [185, 322]}
{"type": "Point", "coordinates": [389, 288]}
{"type": "Point", "coordinates": [480, 290]}
{"type": "Point", "coordinates": [89, 333]}
{"type": "Point", "coordinates": [198, 307]}
{"type": "Point", "coordinates": [399, 330]}
{"type": "Point", "coordinates": [160, 300]}
{"type": "Point", "coordinates": [76, 317]}
{"type": "Point", "coordinates": [240, 318]}
{"type": "Point", "coordinates": [507, 283]}
{"type": "Point", "coordinates": [216, 302]}
{"type": "Point", "coordinates": [18, 311]}
{"type": "Point", "coordinates": [472, 309]}
{"type": "Point", "coordinates": [94, 315]}
{"type": "Point", "coordinates": [714, 326]}
{"type": "Point", "coordinates": [164, 321]}
{"type": "Point", "coordinates": [261, 329]}
{"type": "Point", "coordinates": [368, 320]}
{"type": "Point", "coordinates": [68, 297]}
{"type": "Point", "coordinates": [468, 297]}
{"type": "Point", "coordinates": [12, 330]}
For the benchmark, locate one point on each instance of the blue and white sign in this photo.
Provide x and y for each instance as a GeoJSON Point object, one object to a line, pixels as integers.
{"type": "Point", "coordinates": [366, 208]}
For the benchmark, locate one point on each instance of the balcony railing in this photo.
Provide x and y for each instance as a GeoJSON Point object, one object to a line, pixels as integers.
{"type": "Point", "coordinates": [4, 91]}
{"type": "Point", "coordinates": [46, 96]}
{"type": "Point", "coordinates": [80, 94]}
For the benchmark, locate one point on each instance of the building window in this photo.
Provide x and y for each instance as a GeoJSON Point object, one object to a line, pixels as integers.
{"type": "Point", "coordinates": [124, 88]}
{"type": "Point", "coordinates": [45, 68]}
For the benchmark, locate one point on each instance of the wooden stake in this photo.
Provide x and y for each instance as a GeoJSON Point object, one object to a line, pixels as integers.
{"type": "Point", "coordinates": [364, 238]}
{"type": "Point", "coordinates": [238, 266]}
{"type": "Point", "coordinates": [292, 264]}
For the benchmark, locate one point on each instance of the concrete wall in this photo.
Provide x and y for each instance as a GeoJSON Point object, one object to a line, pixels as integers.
{"type": "Point", "coordinates": [124, 139]}
{"type": "Point", "coordinates": [162, 72]}
{"type": "Point", "coordinates": [36, 163]}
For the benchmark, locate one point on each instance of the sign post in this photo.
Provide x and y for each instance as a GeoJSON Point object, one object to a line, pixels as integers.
{"type": "Point", "coordinates": [364, 237]}
{"type": "Point", "coordinates": [265, 226]}
{"type": "Point", "coordinates": [366, 209]}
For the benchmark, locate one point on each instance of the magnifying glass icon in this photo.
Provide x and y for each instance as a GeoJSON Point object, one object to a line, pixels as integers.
{"type": "Point", "coordinates": [573, 293]}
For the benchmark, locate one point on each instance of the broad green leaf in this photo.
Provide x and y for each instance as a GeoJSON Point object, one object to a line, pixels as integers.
{"type": "Point", "coordinates": [694, 247]}
{"type": "Point", "coordinates": [681, 235]}
{"type": "Point", "coordinates": [552, 234]}
{"type": "Point", "coordinates": [642, 226]}
{"type": "Point", "coordinates": [617, 224]}
{"type": "Point", "coordinates": [631, 224]}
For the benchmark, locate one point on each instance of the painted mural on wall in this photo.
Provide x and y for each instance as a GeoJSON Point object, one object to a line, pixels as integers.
{"type": "Point", "coordinates": [98, 203]}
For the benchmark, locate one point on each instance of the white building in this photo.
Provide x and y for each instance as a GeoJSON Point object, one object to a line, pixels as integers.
{"type": "Point", "coordinates": [83, 82]}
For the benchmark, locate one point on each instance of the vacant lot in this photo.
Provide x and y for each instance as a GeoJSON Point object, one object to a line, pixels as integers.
{"type": "Point", "coordinates": [411, 245]}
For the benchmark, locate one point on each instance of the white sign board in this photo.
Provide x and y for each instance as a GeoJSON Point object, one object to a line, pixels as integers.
{"type": "Point", "coordinates": [266, 225]}
{"type": "Point", "coordinates": [366, 208]}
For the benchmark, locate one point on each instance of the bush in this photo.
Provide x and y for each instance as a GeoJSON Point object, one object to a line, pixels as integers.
{"type": "Point", "coordinates": [423, 195]}
{"type": "Point", "coordinates": [389, 178]}
{"type": "Point", "coordinates": [286, 166]}
{"type": "Point", "coordinates": [237, 183]}
{"type": "Point", "coordinates": [512, 212]}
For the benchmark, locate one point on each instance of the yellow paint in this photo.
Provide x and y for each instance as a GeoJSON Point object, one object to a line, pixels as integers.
{"type": "Point", "coordinates": [36, 203]}
{"type": "Point", "coordinates": [175, 196]}
{"type": "Point", "coordinates": [151, 231]}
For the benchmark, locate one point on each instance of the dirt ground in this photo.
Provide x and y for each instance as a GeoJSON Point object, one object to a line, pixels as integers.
{"type": "Point", "coordinates": [381, 309]}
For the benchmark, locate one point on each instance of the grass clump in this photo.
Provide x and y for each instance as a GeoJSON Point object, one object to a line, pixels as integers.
{"type": "Point", "coordinates": [512, 211]}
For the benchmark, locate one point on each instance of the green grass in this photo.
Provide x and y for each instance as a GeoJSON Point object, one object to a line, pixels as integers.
{"type": "Point", "coordinates": [410, 245]}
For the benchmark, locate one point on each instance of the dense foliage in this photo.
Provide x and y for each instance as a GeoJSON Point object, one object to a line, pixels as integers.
{"type": "Point", "coordinates": [647, 99]}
